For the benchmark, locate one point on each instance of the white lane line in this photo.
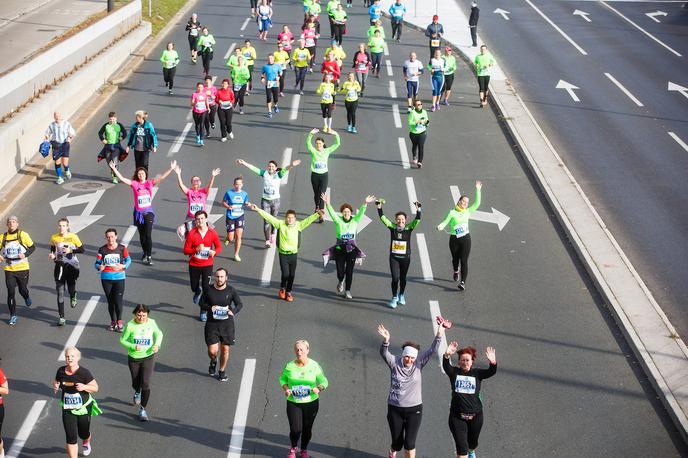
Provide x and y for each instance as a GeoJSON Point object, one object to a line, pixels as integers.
{"type": "Point", "coordinates": [389, 68]}
{"type": "Point", "coordinates": [80, 325]}
{"type": "Point", "coordinates": [189, 115]}
{"type": "Point", "coordinates": [624, 90]}
{"type": "Point", "coordinates": [229, 51]}
{"type": "Point", "coordinates": [563, 34]}
{"type": "Point", "coordinates": [386, 49]}
{"type": "Point", "coordinates": [642, 30]}
{"type": "Point", "coordinates": [434, 312]}
{"type": "Point", "coordinates": [128, 235]}
{"type": "Point", "coordinates": [210, 201]}
{"type": "Point", "coordinates": [397, 116]}
{"type": "Point", "coordinates": [404, 153]}
{"type": "Point", "coordinates": [678, 140]}
{"type": "Point", "coordinates": [286, 160]}
{"type": "Point", "coordinates": [392, 90]}
{"type": "Point", "coordinates": [177, 145]}
{"type": "Point", "coordinates": [26, 428]}
{"type": "Point", "coordinates": [268, 261]}
{"type": "Point", "coordinates": [295, 107]}
{"type": "Point", "coordinates": [243, 26]}
{"type": "Point", "coordinates": [411, 191]}
{"type": "Point", "coordinates": [425, 265]}
{"type": "Point", "coordinates": [456, 194]}
{"type": "Point", "coordinates": [241, 413]}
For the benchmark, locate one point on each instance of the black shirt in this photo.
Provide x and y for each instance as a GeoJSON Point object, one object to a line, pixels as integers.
{"type": "Point", "coordinates": [68, 383]}
{"type": "Point", "coordinates": [475, 13]}
{"type": "Point", "coordinates": [400, 239]}
{"type": "Point", "coordinates": [465, 387]}
{"type": "Point", "coordinates": [227, 299]}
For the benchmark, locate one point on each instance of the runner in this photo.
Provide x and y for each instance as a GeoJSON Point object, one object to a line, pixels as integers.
{"type": "Point", "coordinates": [225, 100]}
{"type": "Point", "coordinates": [170, 60]}
{"type": "Point", "coordinates": [310, 37]}
{"type": "Point", "coordinates": [326, 91]}
{"type": "Point", "coordinates": [111, 134]}
{"type": "Point", "coordinates": [112, 261]}
{"type": "Point", "coordinates": [302, 382]}
{"type": "Point", "coordinates": [200, 108]}
{"type": "Point", "coordinates": [270, 201]}
{"type": "Point", "coordinates": [264, 19]}
{"type": "Point", "coordinates": [241, 75]}
{"type": "Point", "coordinates": [286, 38]}
{"type": "Point", "coordinates": [460, 239]}
{"type": "Point", "coordinates": [436, 67]}
{"type": "Point", "coordinates": [377, 47]}
{"type": "Point", "coordinates": [362, 65]}
{"type": "Point", "coordinates": [249, 53]}
{"type": "Point", "coordinates": [339, 18]}
{"type": "Point", "coordinates": [331, 66]}
{"type": "Point", "coordinates": [271, 74]}
{"type": "Point", "coordinates": [466, 410]}
{"type": "Point", "coordinates": [254, 6]}
{"type": "Point", "coordinates": [219, 329]}
{"type": "Point", "coordinates": [399, 250]}
{"type": "Point", "coordinates": [4, 391]}
{"type": "Point", "coordinates": [60, 134]}
{"type": "Point", "coordinates": [301, 57]}
{"type": "Point", "coordinates": [314, 11]}
{"type": "Point", "coordinates": [352, 90]}
{"type": "Point", "coordinates": [282, 59]}
{"type": "Point", "coordinates": [405, 402]}
{"type": "Point", "coordinates": [331, 7]}
{"type": "Point", "coordinates": [413, 68]}
{"type": "Point", "coordinates": [375, 12]}
{"type": "Point", "coordinates": [142, 338]}
{"type": "Point", "coordinates": [77, 402]}
{"type": "Point", "coordinates": [306, 7]}
{"type": "Point", "coordinates": [397, 12]}
{"type": "Point", "coordinates": [483, 67]}
{"type": "Point", "coordinates": [196, 198]}
{"type": "Point", "coordinates": [211, 96]}
{"type": "Point", "coordinates": [418, 121]}
{"type": "Point", "coordinates": [205, 44]}
{"type": "Point", "coordinates": [233, 60]}
{"type": "Point", "coordinates": [16, 246]}
{"type": "Point", "coordinates": [193, 27]}
{"type": "Point", "coordinates": [64, 245]}
{"type": "Point", "coordinates": [202, 245]}
{"type": "Point", "coordinates": [144, 215]}
{"type": "Point", "coordinates": [434, 31]}
{"type": "Point", "coordinates": [376, 25]}
{"type": "Point", "coordinates": [345, 251]}
{"type": "Point", "coordinates": [288, 241]}
{"type": "Point", "coordinates": [320, 154]}
{"type": "Point", "coordinates": [449, 71]}
{"type": "Point", "coordinates": [142, 139]}
{"type": "Point", "coordinates": [234, 201]}
{"type": "Point", "coordinates": [339, 53]}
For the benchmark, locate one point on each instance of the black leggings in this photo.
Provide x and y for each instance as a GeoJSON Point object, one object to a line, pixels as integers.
{"type": "Point", "coordinates": [141, 372]}
{"type": "Point", "coordinates": [326, 109]}
{"type": "Point", "coordinates": [114, 292]}
{"type": "Point", "coordinates": [312, 51]}
{"type": "Point", "coordinates": [345, 266]}
{"type": "Point", "coordinates": [141, 158]}
{"type": "Point", "coordinates": [168, 76]}
{"type": "Point", "coordinates": [14, 280]}
{"type": "Point", "coordinates": [145, 229]}
{"type": "Point", "coordinates": [77, 426]}
{"type": "Point", "coordinates": [210, 119]}
{"type": "Point", "coordinates": [399, 268]}
{"type": "Point", "coordinates": [65, 275]}
{"type": "Point", "coordinates": [351, 112]}
{"type": "Point", "coordinates": [283, 79]}
{"type": "Point", "coordinates": [250, 77]}
{"type": "Point", "coordinates": [288, 268]}
{"type": "Point", "coordinates": [417, 145]}
{"type": "Point", "coordinates": [240, 94]}
{"type": "Point", "coordinates": [375, 61]}
{"type": "Point", "coordinates": [199, 278]}
{"type": "Point", "coordinates": [404, 423]}
{"type": "Point", "coordinates": [339, 33]}
{"type": "Point", "coordinates": [319, 183]}
{"type": "Point", "coordinates": [199, 120]}
{"type": "Point", "coordinates": [225, 118]}
{"type": "Point", "coordinates": [460, 248]}
{"type": "Point", "coordinates": [207, 56]}
{"type": "Point", "coordinates": [483, 82]}
{"type": "Point", "coordinates": [300, 73]}
{"type": "Point", "coordinates": [301, 418]}
{"type": "Point", "coordinates": [465, 432]}
{"type": "Point", "coordinates": [396, 28]}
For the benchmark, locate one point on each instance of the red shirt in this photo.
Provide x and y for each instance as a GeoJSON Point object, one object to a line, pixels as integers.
{"type": "Point", "coordinates": [331, 66]}
{"type": "Point", "coordinates": [3, 379]}
{"type": "Point", "coordinates": [210, 241]}
{"type": "Point", "coordinates": [226, 96]}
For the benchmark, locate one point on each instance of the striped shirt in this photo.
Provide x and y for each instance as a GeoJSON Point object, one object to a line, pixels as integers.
{"type": "Point", "coordinates": [59, 132]}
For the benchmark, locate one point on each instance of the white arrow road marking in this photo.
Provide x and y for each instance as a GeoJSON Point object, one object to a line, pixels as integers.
{"type": "Point", "coordinates": [496, 217]}
{"type": "Point", "coordinates": [678, 140]}
{"type": "Point", "coordinates": [27, 426]}
{"type": "Point", "coordinates": [568, 87]}
{"type": "Point", "coordinates": [286, 161]}
{"type": "Point", "coordinates": [295, 107]}
{"type": "Point", "coordinates": [396, 116]}
{"type": "Point", "coordinates": [556, 27]}
{"type": "Point", "coordinates": [504, 13]}
{"type": "Point", "coordinates": [425, 264]}
{"type": "Point", "coordinates": [361, 224]}
{"type": "Point", "coordinates": [582, 14]}
{"type": "Point", "coordinates": [80, 325]}
{"type": "Point", "coordinates": [654, 15]}
{"type": "Point", "coordinates": [80, 222]}
{"type": "Point", "coordinates": [404, 153]}
{"type": "Point", "coordinates": [91, 199]}
{"type": "Point", "coordinates": [624, 90]}
{"type": "Point", "coordinates": [435, 312]}
{"type": "Point", "coordinates": [241, 413]}
{"type": "Point", "coordinates": [229, 51]}
{"type": "Point", "coordinates": [176, 146]}
{"type": "Point", "coordinates": [678, 88]}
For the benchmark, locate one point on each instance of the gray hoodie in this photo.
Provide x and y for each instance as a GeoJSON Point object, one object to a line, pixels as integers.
{"type": "Point", "coordinates": [406, 386]}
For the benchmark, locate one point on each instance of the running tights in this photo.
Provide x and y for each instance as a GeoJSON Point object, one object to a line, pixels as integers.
{"type": "Point", "coordinates": [141, 158]}
{"type": "Point", "coordinates": [114, 292]}
{"type": "Point", "coordinates": [319, 183]}
{"type": "Point", "coordinates": [375, 61]}
{"type": "Point", "coordinates": [288, 268]}
{"type": "Point", "coordinates": [301, 418]}
{"type": "Point", "coordinates": [168, 76]}
{"type": "Point", "coordinates": [339, 33]}
{"type": "Point", "coordinates": [345, 266]}
{"type": "Point", "coordinates": [146, 233]}
{"type": "Point", "coordinates": [210, 119]}
{"type": "Point", "coordinates": [199, 120]}
{"type": "Point", "coordinates": [396, 28]}
{"type": "Point", "coordinates": [207, 56]}
{"type": "Point", "coordinates": [361, 78]}
{"type": "Point", "coordinates": [351, 112]}
{"type": "Point", "coordinates": [300, 73]}
{"type": "Point", "coordinates": [417, 145]}
{"type": "Point", "coordinates": [65, 276]}
{"type": "Point", "coordinates": [240, 94]}
{"type": "Point", "coordinates": [141, 371]}
{"type": "Point", "coordinates": [271, 207]}
{"type": "Point", "coordinates": [465, 432]}
{"type": "Point", "coordinates": [225, 118]}
{"type": "Point", "coordinates": [199, 278]}
{"type": "Point", "coordinates": [77, 426]}
{"type": "Point", "coordinates": [404, 423]}
{"type": "Point", "coordinates": [460, 248]}
{"type": "Point", "coordinates": [14, 280]}
{"type": "Point", "coordinates": [399, 268]}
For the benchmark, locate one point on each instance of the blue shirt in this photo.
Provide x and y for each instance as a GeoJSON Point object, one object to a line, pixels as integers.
{"type": "Point", "coordinates": [375, 11]}
{"type": "Point", "coordinates": [236, 201]}
{"type": "Point", "coordinates": [397, 11]}
{"type": "Point", "coordinates": [271, 71]}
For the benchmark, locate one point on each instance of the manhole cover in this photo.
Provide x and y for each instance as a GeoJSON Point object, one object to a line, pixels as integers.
{"type": "Point", "coordinates": [83, 186]}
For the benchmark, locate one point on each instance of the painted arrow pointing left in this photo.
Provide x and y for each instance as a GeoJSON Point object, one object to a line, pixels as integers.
{"type": "Point", "coordinates": [79, 222]}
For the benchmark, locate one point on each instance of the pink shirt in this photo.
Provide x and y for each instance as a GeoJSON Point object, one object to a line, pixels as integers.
{"type": "Point", "coordinates": [196, 201]}
{"type": "Point", "coordinates": [285, 38]}
{"type": "Point", "coordinates": [143, 195]}
{"type": "Point", "coordinates": [198, 99]}
{"type": "Point", "coordinates": [362, 63]}
{"type": "Point", "coordinates": [211, 93]}
{"type": "Point", "coordinates": [308, 36]}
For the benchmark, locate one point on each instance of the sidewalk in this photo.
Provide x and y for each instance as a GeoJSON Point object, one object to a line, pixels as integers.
{"type": "Point", "coordinates": [658, 347]}
{"type": "Point", "coordinates": [28, 25]}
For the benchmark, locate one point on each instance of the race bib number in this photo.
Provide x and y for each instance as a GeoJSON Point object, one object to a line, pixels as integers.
{"type": "Point", "coordinates": [226, 104]}
{"type": "Point", "coordinates": [203, 254]}
{"type": "Point", "coordinates": [144, 201]}
{"type": "Point", "coordinates": [362, 66]}
{"type": "Point", "coordinates": [193, 32]}
{"type": "Point", "coordinates": [320, 165]}
{"type": "Point", "coordinates": [111, 259]}
{"type": "Point", "coordinates": [435, 43]}
{"type": "Point", "coordinates": [144, 341]}
{"type": "Point", "coordinates": [195, 207]}
{"type": "Point", "coordinates": [237, 210]}
{"type": "Point", "coordinates": [461, 229]}
{"type": "Point", "coordinates": [348, 236]}
{"type": "Point", "coordinates": [220, 312]}
{"type": "Point", "coordinates": [310, 42]}
{"type": "Point", "coordinates": [269, 191]}
{"type": "Point", "coordinates": [300, 391]}
{"type": "Point", "coordinates": [13, 249]}
{"type": "Point", "coordinates": [399, 247]}
{"type": "Point", "coordinates": [247, 55]}
{"type": "Point", "coordinates": [420, 128]}
{"type": "Point", "coordinates": [170, 63]}
{"type": "Point", "coordinates": [464, 384]}
{"type": "Point", "coordinates": [237, 87]}
{"type": "Point", "coordinates": [200, 106]}
{"type": "Point", "coordinates": [326, 95]}
{"type": "Point", "coordinates": [72, 401]}
{"type": "Point", "coordinates": [272, 84]}
{"type": "Point", "coordinates": [351, 94]}
{"type": "Point", "coordinates": [285, 44]}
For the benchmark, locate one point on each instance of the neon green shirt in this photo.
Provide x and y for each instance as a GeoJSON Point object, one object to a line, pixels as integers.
{"type": "Point", "coordinates": [301, 56]}
{"type": "Point", "coordinates": [143, 335]}
{"type": "Point", "coordinates": [233, 61]}
{"type": "Point", "coordinates": [482, 64]}
{"type": "Point", "coordinates": [338, 52]}
{"type": "Point", "coordinates": [418, 122]}
{"type": "Point", "coordinates": [302, 379]}
{"type": "Point", "coordinates": [449, 64]}
{"type": "Point", "coordinates": [205, 42]}
{"type": "Point", "coordinates": [351, 89]}
{"type": "Point", "coordinates": [339, 15]}
{"type": "Point", "coordinates": [169, 59]}
{"type": "Point", "coordinates": [458, 218]}
{"type": "Point", "coordinates": [332, 7]}
{"type": "Point", "coordinates": [319, 158]}
{"type": "Point", "coordinates": [376, 45]}
{"type": "Point", "coordinates": [346, 230]}
{"type": "Point", "coordinates": [314, 9]}
{"type": "Point", "coordinates": [289, 236]}
{"type": "Point", "coordinates": [240, 75]}
{"type": "Point", "coordinates": [372, 29]}
{"type": "Point", "coordinates": [326, 91]}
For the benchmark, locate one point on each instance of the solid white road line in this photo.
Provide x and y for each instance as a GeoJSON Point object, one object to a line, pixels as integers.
{"type": "Point", "coordinates": [392, 90]}
{"type": "Point", "coordinates": [404, 153]}
{"type": "Point", "coordinates": [26, 428]}
{"type": "Point", "coordinates": [243, 26]}
{"type": "Point", "coordinates": [389, 68]}
{"type": "Point", "coordinates": [397, 117]}
{"type": "Point", "coordinates": [425, 265]}
{"type": "Point", "coordinates": [268, 261]}
{"type": "Point", "coordinates": [131, 230]}
{"type": "Point", "coordinates": [434, 312]}
{"type": "Point", "coordinates": [411, 191]}
{"type": "Point", "coordinates": [230, 50]}
{"type": "Point", "coordinates": [177, 145]}
{"type": "Point", "coordinates": [295, 107]}
{"type": "Point", "coordinates": [642, 30]}
{"type": "Point", "coordinates": [624, 90]}
{"type": "Point", "coordinates": [210, 200]}
{"type": "Point", "coordinates": [80, 325]}
{"type": "Point", "coordinates": [286, 160]}
{"type": "Point", "coordinates": [241, 413]}
{"type": "Point", "coordinates": [678, 140]}
{"type": "Point", "coordinates": [563, 34]}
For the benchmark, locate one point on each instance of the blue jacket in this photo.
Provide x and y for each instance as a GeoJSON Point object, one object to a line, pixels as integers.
{"type": "Point", "coordinates": [150, 140]}
{"type": "Point", "coordinates": [397, 11]}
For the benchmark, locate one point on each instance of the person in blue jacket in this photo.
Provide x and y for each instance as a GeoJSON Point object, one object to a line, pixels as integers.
{"type": "Point", "coordinates": [375, 12]}
{"type": "Point", "coordinates": [142, 139]}
{"type": "Point", "coordinates": [397, 11]}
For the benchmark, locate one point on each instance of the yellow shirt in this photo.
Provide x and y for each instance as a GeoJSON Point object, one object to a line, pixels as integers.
{"type": "Point", "coordinates": [12, 246]}
{"type": "Point", "coordinates": [282, 58]}
{"type": "Point", "coordinates": [351, 89]}
{"type": "Point", "coordinates": [326, 91]}
{"type": "Point", "coordinates": [249, 54]}
{"type": "Point", "coordinates": [301, 57]}
{"type": "Point", "coordinates": [339, 53]}
{"type": "Point", "coordinates": [66, 244]}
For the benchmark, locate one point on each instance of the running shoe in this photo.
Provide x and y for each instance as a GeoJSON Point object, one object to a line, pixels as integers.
{"type": "Point", "coordinates": [340, 287]}
{"type": "Point", "coordinates": [231, 135]}
{"type": "Point", "coordinates": [409, 109]}
{"type": "Point", "coordinates": [354, 130]}
{"type": "Point", "coordinates": [281, 94]}
{"type": "Point", "coordinates": [471, 454]}
{"type": "Point", "coordinates": [446, 102]}
{"type": "Point", "coordinates": [59, 180]}
{"type": "Point", "coordinates": [282, 294]}
{"type": "Point", "coordinates": [143, 415]}
{"type": "Point", "coordinates": [13, 320]}
{"type": "Point", "coordinates": [393, 303]}
{"type": "Point", "coordinates": [212, 126]}
{"type": "Point", "coordinates": [203, 316]}
{"type": "Point", "coordinates": [237, 258]}
{"type": "Point", "coordinates": [61, 322]}
{"type": "Point", "coordinates": [211, 368]}
{"type": "Point", "coordinates": [462, 286]}
{"type": "Point", "coordinates": [113, 326]}
{"type": "Point", "coordinates": [197, 295]}
{"type": "Point", "coordinates": [392, 454]}
{"type": "Point", "coordinates": [28, 301]}
{"type": "Point", "coordinates": [434, 108]}
{"type": "Point", "coordinates": [170, 92]}
{"type": "Point", "coordinates": [304, 454]}
{"type": "Point", "coordinates": [223, 139]}
{"type": "Point", "coordinates": [277, 108]}
{"type": "Point", "coordinates": [226, 242]}
{"type": "Point", "coordinates": [198, 139]}
{"type": "Point", "coordinates": [115, 180]}
{"type": "Point", "coordinates": [120, 326]}
{"type": "Point", "coordinates": [348, 295]}
{"type": "Point", "coordinates": [300, 92]}
{"type": "Point", "coordinates": [202, 142]}
{"type": "Point", "coordinates": [415, 161]}
{"type": "Point", "coordinates": [292, 453]}
{"type": "Point", "coordinates": [149, 260]}
{"type": "Point", "coordinates": [241, 111]}
{"type": "Point", "coordinates": [290, 297]}
{"type": "Point", "coordinates": [222, 376]}
{"type": "Point", "coordinates": [72, 301]}
{"type": "Point", "coordinates": [420, 165]}
{"type": "Point", "coordinates": [86, 450]}
{"type": "Point", "coordinates": [348, 128]}
{"type": "Point", "coordinates": [269, 114]}
{"type": "Point", "coordinates": [137, 398]}
{"type": "Point", "coordinates": [310, 70]}
{"type": "Point", "coordinates": [455, 275]}
{"type": "Point", "coordinates": [68, 174]}
{"type": "Point", "coordinates": [143, 258]}
{"type": "Point", "coordinates": [402, 299]}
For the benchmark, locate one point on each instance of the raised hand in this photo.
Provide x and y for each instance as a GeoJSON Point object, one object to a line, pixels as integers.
{"type": "Point", "coordinates": [315, 130]}
{"type": "Point", "coordinates": [215, 172]}
{"type": "Point", "coordinates": [383, 332]}
{"type": "Point", "coordinates": [478, 184]}
{"type": "Point", "coordinates": [452, 348]}
{"type": "Point", "coordinates": [325, 198]}
{"type": "Point", "coordinates": [240, 162]}
{"type": "Point", "coordinates": [369, 199]}
{"type": "Point", "coordinates": [490, 355]}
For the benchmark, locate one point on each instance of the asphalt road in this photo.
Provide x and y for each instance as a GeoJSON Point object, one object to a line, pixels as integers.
{"type": "Point", "coordinates": [567, 382]}
{"type": "Point", "coordinates": [622, 154]}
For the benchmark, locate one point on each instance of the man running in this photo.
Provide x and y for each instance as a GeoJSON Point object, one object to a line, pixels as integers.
{"type": "Point", "coordinates": [60, 134]}
{"type": "Point", "coordinates": [271, 74]}
{"type": "Point", "coordinates": [397, 12]}
{"type": "Point", "coordinates": [15, 247]}
{"type": "Point", "coordinates": [223, 303]}
{"type": "Point", "coordinates": [111, 134]}
{"type": "Point", "coordinates": [234, 201]}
